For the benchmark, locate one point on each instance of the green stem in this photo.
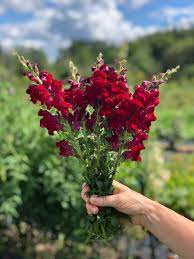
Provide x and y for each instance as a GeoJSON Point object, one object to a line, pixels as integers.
{"type": "Point", "coordinates": [76, 146]}
{"type": "Point", "coordinates": [103, 231]}
{"type": "Point", "coordinates": [118, 159]}
{"type": "Point", "coordinates": [98, 138]}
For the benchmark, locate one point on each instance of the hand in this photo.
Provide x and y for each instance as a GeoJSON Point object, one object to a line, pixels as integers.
{"type": "Point", "coordinates": [123, 199]}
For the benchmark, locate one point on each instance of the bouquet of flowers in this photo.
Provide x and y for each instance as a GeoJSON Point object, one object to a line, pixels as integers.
{"type": "Point", "coordinates": [98, 120]}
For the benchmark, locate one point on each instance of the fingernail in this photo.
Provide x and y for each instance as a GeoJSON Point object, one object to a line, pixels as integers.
{"type": "Point", "coordinates": [83, 185]}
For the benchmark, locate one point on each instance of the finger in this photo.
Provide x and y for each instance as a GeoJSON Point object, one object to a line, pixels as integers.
{"type": "Point", "coordinates": [83, 185]}
{"type": "Point", "coordinates": [86, 188]}
{"type": "Point", "coordinates": [104, 201]}
{"type": "Point", "coordinates": [119, 186]}
{"type": "Point", "coordinates": [91, 209]}
{"type": "Point", "coordinates": [116, 190]}
{"type": "Point", "coordinates": [84, 193]}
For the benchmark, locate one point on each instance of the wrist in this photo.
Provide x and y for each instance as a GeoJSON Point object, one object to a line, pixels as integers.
{"type": "Point", "coordinates": [149, 214]}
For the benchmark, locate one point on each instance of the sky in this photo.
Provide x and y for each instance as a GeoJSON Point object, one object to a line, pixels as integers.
{"type": "Point", "coordinates": [54, 24]}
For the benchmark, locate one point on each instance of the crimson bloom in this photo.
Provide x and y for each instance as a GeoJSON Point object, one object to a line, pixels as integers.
{"type": "Point", "coordinates": [50, 122]}
{"type": "Point", "coordinates": [65, 149]}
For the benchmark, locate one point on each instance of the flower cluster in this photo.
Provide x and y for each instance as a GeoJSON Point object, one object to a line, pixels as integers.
{"type": "Point", "coordinates": [124, 111]}
{"type": "Point", "coordinates": [98, 119]}
{"type": "Point", "coordinates": [108, 93]}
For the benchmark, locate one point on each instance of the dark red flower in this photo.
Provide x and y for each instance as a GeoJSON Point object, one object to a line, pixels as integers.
{"type": "Point", "coordinates": [31, 77]}
{"type": "Point", "coordinates": [65, 149]}
{"type": "Point", "coordinates": [74, 85]}
{"type": "Point", "coordinates": [90, 122]}
{"type": "Point", "coordinates": [134, 156]}
{"type": "Point", "coordinates": [56, 87]}
{"type": "Point", "coordinates": [50, 122]}
{"type": "Point", "coordinates": [60, 103]}
{"type": "Point", "coordinates": [46, 78]}
{"type": "Point", "coordinates": [114, 140]}
{"type": "Point", "coordinates": [41, 94]}
{"type": "Point", "coordinates": [79, 98]}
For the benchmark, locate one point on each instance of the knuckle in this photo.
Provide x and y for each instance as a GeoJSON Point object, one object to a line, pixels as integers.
{"type": "Point", "coordinates": [89, 209]}
{"type": "Point", "coordinates": [104, 200]}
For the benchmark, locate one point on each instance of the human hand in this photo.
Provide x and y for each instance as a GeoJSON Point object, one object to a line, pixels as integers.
{"type": "Point", "coordinates": [123, 199]}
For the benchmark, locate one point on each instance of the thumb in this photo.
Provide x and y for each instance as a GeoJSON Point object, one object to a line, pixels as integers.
{"type": "Point", "coordinates": [103, 201]}
{"type": "Point", "coordinates": [119, 187]}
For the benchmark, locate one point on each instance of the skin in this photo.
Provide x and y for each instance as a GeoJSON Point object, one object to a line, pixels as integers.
{"type": "Point", "coordinates": [174, 230]}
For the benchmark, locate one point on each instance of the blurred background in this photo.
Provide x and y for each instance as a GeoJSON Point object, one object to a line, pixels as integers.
{"type": "Point", "coordinates": [41, 212]}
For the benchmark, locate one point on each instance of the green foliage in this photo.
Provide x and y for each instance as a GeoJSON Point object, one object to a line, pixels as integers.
{"type": "Point", "coordinates": [83, 53]}
{"type": "Point", "coordinates": [180, 53]}
{"type": "Point", "coordinates": [140, 56]}
{"type": "Point", "coordinates": [35, 182]}
{"type": "Point", "coordinates": [176, 113]}
{"type": "Point", "coordinates": [179, 194]}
